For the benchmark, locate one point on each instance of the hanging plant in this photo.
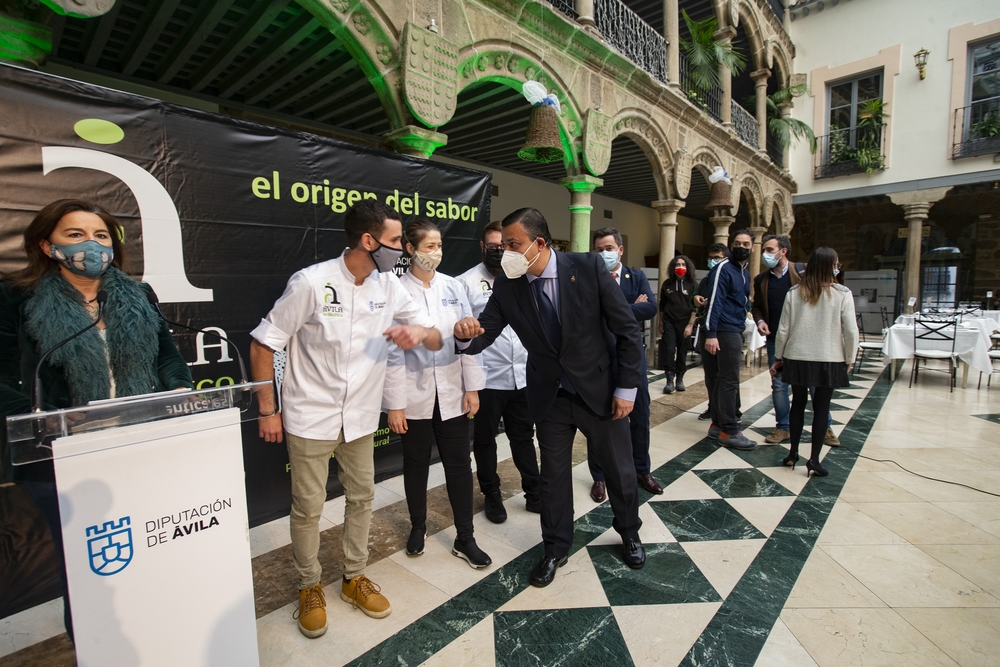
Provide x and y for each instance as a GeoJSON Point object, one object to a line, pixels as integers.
{"type": "Point", "coordinates": [788, 130]}
{"type": "Point", "coordinates": [706, 55]}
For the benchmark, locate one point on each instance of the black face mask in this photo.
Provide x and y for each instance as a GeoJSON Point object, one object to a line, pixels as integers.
{"type": "Point", "coordinates": [491, 258]}
{"type": "Point", "coordinates": [740, 254]}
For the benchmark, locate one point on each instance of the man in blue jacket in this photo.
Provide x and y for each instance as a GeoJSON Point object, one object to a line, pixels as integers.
{"type": "Point", "coordinates": [642, 301]}
{"type": "Point", "coordinates": [725, 322]}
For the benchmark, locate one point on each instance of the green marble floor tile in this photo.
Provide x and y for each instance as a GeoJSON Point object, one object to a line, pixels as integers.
{"type": "Point", "coordinates": [585, 637]}
{"type": "Point", "coordinates": [668, 577]}
{"type": "Point", "coordinates": [704, 520]}
{"type": "Point", "coordinates": [990, 418]}
{"type": "Point", "coordinates": [591, 525]}
{"type": "Point", "coordinates": [764, 456]}
{"type": "Point", "coordinates": [742, 483]}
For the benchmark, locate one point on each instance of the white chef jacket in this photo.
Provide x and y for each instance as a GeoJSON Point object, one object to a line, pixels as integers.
{"type": "Point", "coordinates": [416, 377]}
{"type": "Point", "coordinates": [506, 358]}
{"type": "Point", "coordinates": [336, 351]}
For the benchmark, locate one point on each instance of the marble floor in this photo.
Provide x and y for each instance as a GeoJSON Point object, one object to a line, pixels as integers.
{"type": "Point", "coordinates": [748, 563]}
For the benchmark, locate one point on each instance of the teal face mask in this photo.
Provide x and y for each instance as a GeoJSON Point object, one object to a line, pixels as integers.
{"type": "Point", "coordinates": [87, 258]}
{"type": "Point", "coordinates": [610, 258]}
{"type": "Point", "coordinates": [712, 263]}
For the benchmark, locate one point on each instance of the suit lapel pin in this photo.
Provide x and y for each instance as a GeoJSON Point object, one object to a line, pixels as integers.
{"type": "Point", "coordinates": [627, 276]}
{"type": "Point", "coordinates": [572, 279]}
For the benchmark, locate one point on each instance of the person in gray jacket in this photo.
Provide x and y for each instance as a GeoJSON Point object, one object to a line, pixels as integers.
{"type": "Point", "coordinates": [816, 342]}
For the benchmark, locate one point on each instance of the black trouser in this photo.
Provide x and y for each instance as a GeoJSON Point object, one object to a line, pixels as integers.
{"type": "Point", "coordinates": [610, 441]}
{"type": "Point", "coordinates": [724, 367]}
{"type": "Point", "coordinates": [638, 427]}
{"type": "Point", "coordinates": [821, 397]}
{"type": "Point", "coordinates": [676, 347]}
{"type": "Point", "coordinates": [46, 499]}
{"type": "Point", "coordinates": [452, 438]}
{"type": "Point", "coordinates": [512, 405]}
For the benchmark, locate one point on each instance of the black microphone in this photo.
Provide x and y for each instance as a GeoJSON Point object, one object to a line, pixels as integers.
{"type": "Point", "coordinates": [102, 299]}
{"type": "Point", "coordinates": [154, 301]}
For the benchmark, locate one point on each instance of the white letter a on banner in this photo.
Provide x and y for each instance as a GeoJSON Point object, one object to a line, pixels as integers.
{"type": "Point", "coordinates": [162, 245]}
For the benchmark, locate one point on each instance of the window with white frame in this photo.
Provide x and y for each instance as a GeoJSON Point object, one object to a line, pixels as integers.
{"type": "Point", "coordinates": [855, 115]}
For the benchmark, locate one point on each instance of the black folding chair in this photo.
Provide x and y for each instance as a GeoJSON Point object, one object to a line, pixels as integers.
{"type": "Point", "coordinates": [928, 329]}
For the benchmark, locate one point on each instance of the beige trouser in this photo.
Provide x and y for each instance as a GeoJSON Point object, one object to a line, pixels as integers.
{"type": "Point", "coordinates": [310, 466]}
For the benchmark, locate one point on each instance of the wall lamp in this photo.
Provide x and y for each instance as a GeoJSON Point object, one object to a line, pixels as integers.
{"type": "Point", "coordinates": [920, 57]}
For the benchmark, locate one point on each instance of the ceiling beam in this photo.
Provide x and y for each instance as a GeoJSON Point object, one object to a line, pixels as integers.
{"type": "Point", "coordinates": [199, 28]}
{"type": "Point", "coordinates": [100, 37]}
{"type": "Point", "coordinates": [324, 97]}
{"type": "Point", "coordinates": [147, 33]}
{"type": "Point", "coordinates": [283, 41]}
{"type": "Point", "coordinates": [243, 34]}
{"type": "Point", "coordinates": [308, 57]}
{"type": "Point", "coordinates": [317, 80]}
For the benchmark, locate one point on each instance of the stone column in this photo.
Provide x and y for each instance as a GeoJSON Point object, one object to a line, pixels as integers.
{"type": "Point", "coordinates": [760, 78]}
{"type": "Point", "coordinates": [580, 188]}
{"type": "Point", "coordinates": [916, 205]}
{"type": "Point", "coordinates": [671, 32]}
{"type": "Point", "coordinates": [668, 209]}
{"type": "Point", "coordinates": [758, 234]}
{"type": "Point", "coordinates": [22, 42]}
{"type": "Point", "coordinates": [725, 35]}
{"type": "Point", "coordinates": [786, 112]}
{"type": "Point", "coordinates": [722, 223]}
{"type": "Point", "coordinates": [584, 12]}
{"type": "Point", "coordinates": [415, 140]}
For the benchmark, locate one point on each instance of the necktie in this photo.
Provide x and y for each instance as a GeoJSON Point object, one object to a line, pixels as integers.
{"type": "Point", "coordinates": [551, 326]}
{"type": "Point", "coordinates": [614, 274]}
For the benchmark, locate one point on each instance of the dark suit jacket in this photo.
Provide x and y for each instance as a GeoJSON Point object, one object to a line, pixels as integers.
{"type": "Point", "coordinates": [760, 284]}
{"type": "Point", "coordinates": [593, 313]}
{"type": "Point", "coordinates": [634, 283]}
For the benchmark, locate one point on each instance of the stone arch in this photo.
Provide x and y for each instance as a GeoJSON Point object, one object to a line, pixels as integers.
{"type": "Point", "coordinates": [638, 126]}
{"type": "Point", "coordinates": [744, 11]}
{"type": "Point", "coordinates": [371, 40]}
{"type": "Point", "coordinates": [749, 186]}
{"type": "Point", "coordinates": [779, 62]}
{"type": "Point", "coordinates": [705, 159]}
{"type": "Point", "coordinates": [512, 65]}
{"type": "Point", "coordinates": [783, 207]}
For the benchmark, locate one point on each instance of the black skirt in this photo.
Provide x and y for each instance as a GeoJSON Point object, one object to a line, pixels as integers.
{"type": "Point", "coordinates": [815, 373]}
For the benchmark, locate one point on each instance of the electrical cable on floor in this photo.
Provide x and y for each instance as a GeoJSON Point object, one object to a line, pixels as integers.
{"type": "Point", "coordinates": [934, 479]}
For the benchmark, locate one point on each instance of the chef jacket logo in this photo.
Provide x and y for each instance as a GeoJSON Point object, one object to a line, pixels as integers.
{"type": "Point", "coordinates": [331, 304]}
{"type": "Point", "coordinates": [486, 287]}
{"type": "Point", "coordinates": [376, 305]}
{"type": "Point", "coordinates": [449, 302]}
{"type": "Point", "coordinates": [110, 547]}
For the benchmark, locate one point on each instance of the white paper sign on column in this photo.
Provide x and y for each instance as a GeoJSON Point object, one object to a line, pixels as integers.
{"type": "Point", "coordinates": [157, 543]}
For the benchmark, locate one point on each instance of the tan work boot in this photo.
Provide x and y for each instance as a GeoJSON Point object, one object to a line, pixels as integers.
{"type": "Point", "coordinates": [311, 613]}
{"type": "Point", "coordinates": [365, 595]}
{"type": "Point", "coordinates": [777, 435]}
{"type": "Point", "coordinates": [831, 440]}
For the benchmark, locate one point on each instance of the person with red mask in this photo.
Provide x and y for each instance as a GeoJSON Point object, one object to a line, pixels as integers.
{"type": "Point", "coordinates": [677, 320]}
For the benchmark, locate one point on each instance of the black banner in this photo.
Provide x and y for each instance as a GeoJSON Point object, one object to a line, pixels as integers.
{"type": "Point", "coordinates": [218, 214]}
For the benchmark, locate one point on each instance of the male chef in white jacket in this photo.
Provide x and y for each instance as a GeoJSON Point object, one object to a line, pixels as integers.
{"type": "Point", "coordinates": [335, 319]}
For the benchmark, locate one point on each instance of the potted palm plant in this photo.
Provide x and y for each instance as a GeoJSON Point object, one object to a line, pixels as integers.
{"type": "Point", "coordinates": [705, 55]}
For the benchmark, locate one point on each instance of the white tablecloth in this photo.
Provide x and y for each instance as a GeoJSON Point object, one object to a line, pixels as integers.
{"type": "Point", "coordinates": [971, 345]}
{"type": "Point", "coordinates": [992, 314]}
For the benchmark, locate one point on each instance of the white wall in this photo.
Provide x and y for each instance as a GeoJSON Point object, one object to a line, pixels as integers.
{"type": "Point", "coordinates": [921, 112]}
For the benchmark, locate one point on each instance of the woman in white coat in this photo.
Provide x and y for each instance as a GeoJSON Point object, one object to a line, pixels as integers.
{"type": "Point", "coordinates": [430, 397]}
{"type": "Point", "coordinates": [816, 343]}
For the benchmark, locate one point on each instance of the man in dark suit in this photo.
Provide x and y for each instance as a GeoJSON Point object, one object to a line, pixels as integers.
{"type": "Point", "coordinates": [642, 301]}
{"type": "Point", "coordinates": [571, 317]}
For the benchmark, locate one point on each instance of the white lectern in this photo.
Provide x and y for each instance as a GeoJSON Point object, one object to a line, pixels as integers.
{"type": "Point", "coordinates": [154, 521]}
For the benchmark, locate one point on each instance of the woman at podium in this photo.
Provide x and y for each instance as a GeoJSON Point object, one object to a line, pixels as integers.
{"type": "Point", "coordinates": [75, 276]}
{"type": "Point", "coordinates": [430, 397]}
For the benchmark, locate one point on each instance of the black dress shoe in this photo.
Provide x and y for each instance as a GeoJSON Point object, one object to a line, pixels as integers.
{"type": "Point", "coordinates": [647, 482]}
{"type": "Point", "coordinates": [635, 555]}
{"type": "Point", "coordinates": [543, 573]}
{"type": "Point", "coordinates": [599, 492]}
{"type": "Point", "coordinates": [533, 505]}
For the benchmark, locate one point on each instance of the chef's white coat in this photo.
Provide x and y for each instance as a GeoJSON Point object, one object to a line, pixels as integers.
{"type": "Point", "coordinates": [506, 358]}
{"type": "Point", "coordinates": [415, 378]}
{"type": "Point", "coordinates": [336, 351]}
